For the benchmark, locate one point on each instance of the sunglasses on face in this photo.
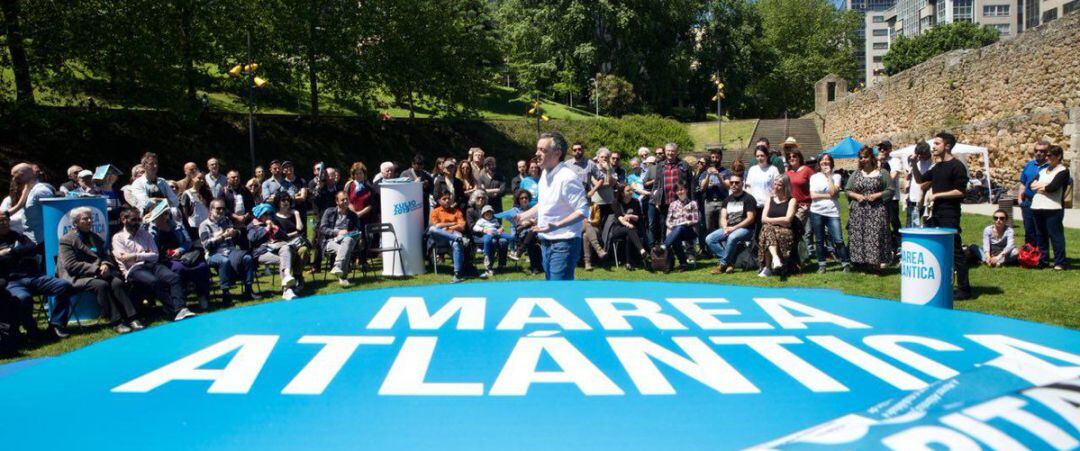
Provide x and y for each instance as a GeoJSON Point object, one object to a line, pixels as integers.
{"type": "Point", "coordinates": [999, 218]}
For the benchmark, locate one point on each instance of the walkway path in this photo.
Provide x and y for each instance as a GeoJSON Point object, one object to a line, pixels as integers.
{"type": "Point", "coordinates": [1072, 215]}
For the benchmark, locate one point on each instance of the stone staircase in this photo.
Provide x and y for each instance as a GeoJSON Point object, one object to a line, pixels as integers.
{"type": "Point", "coordinates": [777, 130]}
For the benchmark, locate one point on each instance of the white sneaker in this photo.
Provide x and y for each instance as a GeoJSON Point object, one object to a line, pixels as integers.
{"type": "Point", "coordinates": [183, 314]}
{"type": "Point", "coordinates": [777, 264]}
{"type": "Point", "coordinates": [336, 271]}
{"type": "Point", "coordinates": [485, 274]}
{"type": "Point", "coordinates": [288, 281]}
{"type": "Point", "coordinates": [765, 272]}
{"type": "Point", "coordinates": [288, 295]}
{"type": "Point", "coordinates": [344, 282]}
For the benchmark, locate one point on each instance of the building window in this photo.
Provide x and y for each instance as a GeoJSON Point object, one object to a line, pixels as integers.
{"type": "Point", "coordinates": [877, 59]}
{"type": "Point", "coordinates": [1049, 15]}
{"type": "Point", "coordinates": [996, 10]}
{"type": "Point", "coordinates": [1002, 28]}
{"type": "Point", "coordinates": [881, 32]}
{"type": "Point", "coordinates": [1031, 10]}
{"type": "Point", "coordinates": [830, 90]}
{"type": "Point", "coordinates": [1070, 7]}
{"type": "Point", "coordinates": [881, 19]}
{"type": "Point", "coordinates": [962, 11]}
{"type": "Point", "coordinates": [881, 46]}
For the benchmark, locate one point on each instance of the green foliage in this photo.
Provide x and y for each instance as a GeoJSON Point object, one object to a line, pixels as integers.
{"type": "Point", "coordinates": [631, 132]}
{"type": "Point", "coordinates": [804, 40]}
{"type": "Point", "coordinates": [616, 95]}
{"type": "Point", "coordinates": [906, 52]}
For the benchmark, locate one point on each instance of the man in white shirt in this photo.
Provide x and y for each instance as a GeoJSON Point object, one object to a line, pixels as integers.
{"type": "Point", "coordinates": [215, 180]}
{"type": "Point", "coordinates": [147, 190]}
{"type": "Point", "coordinates": [560, 210]}
{"type": "Point", "coordinates": [34, 226]}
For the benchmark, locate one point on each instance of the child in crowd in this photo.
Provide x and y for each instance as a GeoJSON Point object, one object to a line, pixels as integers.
{"type": "Point", "coordinates": [494, 239]}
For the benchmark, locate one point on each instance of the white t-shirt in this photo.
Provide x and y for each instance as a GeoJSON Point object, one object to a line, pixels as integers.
{"type": "Point", "coordinates": [560, 194]}
{"type": "Point", "coordinates": [759, 182]}
{"type": "Point", "coordinates": [915, 192]}
{"type": "Point", "coordinates": [896, 168]}
{"type": "Point", "coordinates": [824, 207]}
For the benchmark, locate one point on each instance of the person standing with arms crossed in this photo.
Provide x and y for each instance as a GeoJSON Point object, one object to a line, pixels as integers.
{"type": "Point", "coordinates": [560, 210]}
{"type": "Point", "coordinates": [946, 181]}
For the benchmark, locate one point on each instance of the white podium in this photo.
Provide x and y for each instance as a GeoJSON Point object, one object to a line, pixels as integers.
{"type": "Point", "coordinates": [402, 207]}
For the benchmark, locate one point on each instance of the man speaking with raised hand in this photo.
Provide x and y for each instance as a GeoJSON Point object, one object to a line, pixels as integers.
{"type": "Point", "coordinates": [560, 209]}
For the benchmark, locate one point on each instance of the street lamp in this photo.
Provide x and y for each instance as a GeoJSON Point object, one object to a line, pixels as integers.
{"type": "Point", "coordinates": [247, 71]}
{"type": "Point", "coordinates": [719, 98]}
{"type": "Point", "coordinates": [596, 94]}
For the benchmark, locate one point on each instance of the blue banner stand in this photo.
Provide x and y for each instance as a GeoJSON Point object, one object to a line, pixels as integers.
{"type": "Point", "coordinates": [57, 224]}
{"type": "Point", "coordinates": [926, 266]}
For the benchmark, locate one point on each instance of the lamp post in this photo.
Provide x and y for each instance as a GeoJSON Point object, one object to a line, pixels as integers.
{"type": "Point", "coordinates": [719, 98]}
{"type": "Point", "coordinates": [596, 94]}
{"type": "Point", "coordinates": [251, 82]}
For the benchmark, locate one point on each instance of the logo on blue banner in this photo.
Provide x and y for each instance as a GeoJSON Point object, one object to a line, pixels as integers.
{"type": "Point", "coordinates": [521, 365]}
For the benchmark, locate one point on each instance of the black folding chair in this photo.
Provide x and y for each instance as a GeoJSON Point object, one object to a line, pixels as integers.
{"type": "Point", "coordinates": [376, 233]}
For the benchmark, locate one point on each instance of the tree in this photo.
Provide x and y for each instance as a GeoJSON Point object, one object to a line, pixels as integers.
{"type": "Point", "coordinates": [907, 52]}
{"type": "Point", "coordinates": [616, 95]}
{"type": "Point", "coordinates": [728, 49]}
{"type": "Point", "coordinates": [804, 41]}
{"type": "Point", "coordinates": [24, 89]}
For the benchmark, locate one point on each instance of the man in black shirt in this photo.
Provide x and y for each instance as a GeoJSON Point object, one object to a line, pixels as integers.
{"type": "Point", "coordinates": [737, 218]}
{"type": "Point", "coordinates": [522, 172]}
{"type": "Point", "coordinates": [946, 181]}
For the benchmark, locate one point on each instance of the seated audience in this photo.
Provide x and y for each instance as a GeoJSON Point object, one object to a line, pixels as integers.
{"type": "Point", "coordinates": [269, 246]}
{"type": "Point", "coordinates": [83, 260]}
{"type": "Point", "coordinates": [494, 239]}
{"type": "Point", "coordinates": [340, 231]}
{"type": "Point", "coordinates": [526, 241]}
{"type": "Point", "coordinates": [447, 225]}
{"type": "Point", "coordinates": [683, 216]}
{"type": "Point", "coordinates": [999, 247]}
{"type": "Point", "coordinates": [221, 237]}
{"type": "Point", "coordinates": [777, 228]}
{"type": "Point", "coordinates": [137, 256]}
{"type": "Point", "coordinates": [625, 223]}
{"type": "Point", "coordinates": [20, 266]}
{"type": "Point", "coordinates": [147, 190]}
{"type": "Point", "coordinates": [738, 213]}
{"type": "Point", "coordinates": [180, 253]}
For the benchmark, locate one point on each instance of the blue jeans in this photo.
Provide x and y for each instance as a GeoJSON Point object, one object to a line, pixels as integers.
{"type": "Point", "coordinates": [454, 240]}
{"type": "Point", "coordinates": [1050, 232]}
{"type": "Point", "coordinates": [675, 239]}
{"type": "Point", "coordinates": [496, 242]}
{"type": "Point", "coordinates": [1030, 234]}
{"type": "Point", "coordinates": [722, 244]}
{"type": "Point", "coordinates": [227, 274]}
{"type": "Point", "coordinates": [23, 289]}
{"type": "Point", "coordinates": [560, 258]}
{"type": "Point", "coordinates": [822, 223]}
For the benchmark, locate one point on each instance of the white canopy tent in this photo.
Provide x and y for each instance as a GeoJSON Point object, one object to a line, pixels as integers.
{"type": "Point", "coordinates": [960, 150]}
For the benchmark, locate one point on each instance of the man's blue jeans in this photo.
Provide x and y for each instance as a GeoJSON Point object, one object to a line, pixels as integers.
{"type": "Point", "coordinates": [454, 240]}
{"type": "Point", "coordinates": [24, 290]}
{"type": "Point", "coordinates": [1030, 232]}
{"type": "Point", "coordinates": [821, 224]}
{"type": "Point", "coordinates": [721, 244]}
{"type": "Point", "coordinates": [496, 243]}
{"type": "Point", "coordinates": [560, 258]}
{"type": "Point", "coordinates": [227, 274]}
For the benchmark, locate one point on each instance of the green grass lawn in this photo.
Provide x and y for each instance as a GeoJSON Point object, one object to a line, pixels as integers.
{"type": "Point", "coordinates": [736, 133]}
{"type": "Point", "coordinates": [1035, 295]}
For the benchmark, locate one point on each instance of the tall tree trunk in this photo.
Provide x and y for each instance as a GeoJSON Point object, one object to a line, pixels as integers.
{"type": "Point", "coordinates": [24, 89]}
{"type": "Point", "coordinates": [187, 14]}
{"type": "Point", "coordinates": [313, 76]}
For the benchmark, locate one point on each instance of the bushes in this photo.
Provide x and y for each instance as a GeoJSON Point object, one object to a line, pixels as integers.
{"type": "Point", "coordinates": [58, 137]}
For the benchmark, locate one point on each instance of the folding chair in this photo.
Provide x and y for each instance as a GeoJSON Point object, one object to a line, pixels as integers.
{"type": "Point", "coordinates": [376, 233]}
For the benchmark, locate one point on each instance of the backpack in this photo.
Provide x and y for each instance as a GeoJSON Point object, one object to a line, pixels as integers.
{"type": "Point", "coordinates": [1030, 256]}
{"type": "Point", "coordinates": [746, 255]}
{"type": "Point", "coordinates": [659, 257]}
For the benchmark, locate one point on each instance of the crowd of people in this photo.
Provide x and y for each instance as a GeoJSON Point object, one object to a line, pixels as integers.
{"type": "Point", "coordinates": [169, 239]}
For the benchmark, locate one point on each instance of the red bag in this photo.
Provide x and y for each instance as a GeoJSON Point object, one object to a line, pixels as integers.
{"type": "Point", "coordinates": [1030, 256]}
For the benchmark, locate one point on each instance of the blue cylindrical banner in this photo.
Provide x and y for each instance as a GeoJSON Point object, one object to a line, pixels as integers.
{"type": "Point", "coordinates": [926, 266]}
{"type": "Point", "coordinates": [58, 223]}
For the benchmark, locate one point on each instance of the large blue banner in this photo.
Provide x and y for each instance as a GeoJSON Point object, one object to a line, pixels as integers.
{"type": "Point", "coordinates": [522, 366]}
